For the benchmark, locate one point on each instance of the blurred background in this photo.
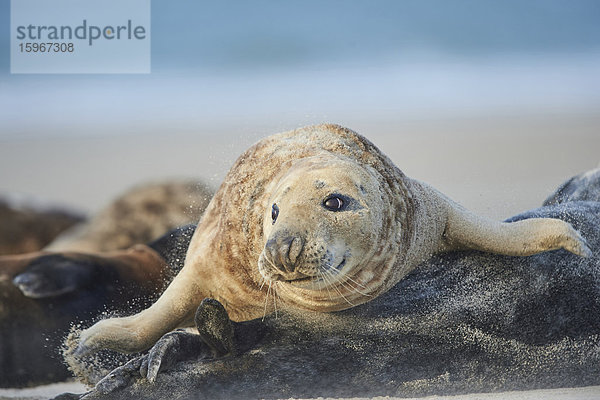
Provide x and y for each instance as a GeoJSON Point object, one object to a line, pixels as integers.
{"type": "Point", "coordinates": [493, 102]}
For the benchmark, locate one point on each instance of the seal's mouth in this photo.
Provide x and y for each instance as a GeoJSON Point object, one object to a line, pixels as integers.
{"type": "Point", "coordinates": [341, 265]}
{"type": "Point", "coordinates": [302, 281]}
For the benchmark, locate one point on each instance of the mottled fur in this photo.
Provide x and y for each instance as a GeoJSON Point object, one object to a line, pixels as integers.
{"type": "Point", "coordinates": [139, 215]}
{"type": "Point", "coordinates": [27, 229]}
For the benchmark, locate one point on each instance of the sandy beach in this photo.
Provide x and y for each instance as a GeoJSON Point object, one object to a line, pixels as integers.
{"type": "Point", "coordinates": [495, 165]}
{"type": "Point", "coordinates": [584, 393]}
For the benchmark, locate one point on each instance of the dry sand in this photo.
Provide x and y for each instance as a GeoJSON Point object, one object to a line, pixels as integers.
{"type": "Point", "coordinates": [496, 166]}
{"type": "Point", "coordinates": [584, 393]}
{"type": "Point", "coordinates": [42, 392]}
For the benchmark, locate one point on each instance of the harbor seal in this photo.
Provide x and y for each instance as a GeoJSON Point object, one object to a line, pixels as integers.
{"type": "Point", "coordinates": [316, 219]}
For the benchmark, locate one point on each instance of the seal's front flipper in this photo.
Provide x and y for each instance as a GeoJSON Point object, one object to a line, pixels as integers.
{"type": "Point", "coordinates": [121, 376]}
{"type": "Point", "coordinates": [54, 275]}
{"type": "Point", "coordinates": [172, 348]}
{"type": "Point", "coordinates": [214, 340]}
{"type": "Point", "coordinates": [465, 230]}
{"type": "Point", "coordinates": [215, 327]}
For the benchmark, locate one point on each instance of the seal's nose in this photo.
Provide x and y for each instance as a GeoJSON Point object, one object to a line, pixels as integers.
{"type": "Point", "coordinates": [284, 250]}
{"type": "Point", "coordinates": [24, 279]}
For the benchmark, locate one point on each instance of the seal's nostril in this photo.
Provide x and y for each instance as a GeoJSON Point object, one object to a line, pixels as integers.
{"type": "Point", "coordinates": [275, 252]}
{"type": "Point", "coordinates": [271, 249]}
{"type": "Point", "coordinates": [23, 279]}
{"type": "Point", "coordinates": [295, 249]}
{"type": "Point", "coordinates": [283, 251]}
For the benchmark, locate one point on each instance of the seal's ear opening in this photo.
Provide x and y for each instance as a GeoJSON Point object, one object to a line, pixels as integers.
{"type": "Point", "coordinates": [54, 275]}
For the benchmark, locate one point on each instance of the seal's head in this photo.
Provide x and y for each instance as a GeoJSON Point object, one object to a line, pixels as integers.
{"type": "Point", "coordinates": [322, 222]}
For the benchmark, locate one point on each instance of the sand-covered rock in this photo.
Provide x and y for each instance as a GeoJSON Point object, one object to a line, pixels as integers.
{"type": "Point", "coordinates": [462, 322]}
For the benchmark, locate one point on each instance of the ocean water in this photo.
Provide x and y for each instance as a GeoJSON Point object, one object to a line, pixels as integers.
{"type": "Point", "coordinates": [301, 62]}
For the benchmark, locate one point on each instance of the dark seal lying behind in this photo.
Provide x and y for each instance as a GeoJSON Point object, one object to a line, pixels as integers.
{"type": "Point", "coordinates": [43, 294]}
{"type": "Point", "coordinates": [462, 322]}
{"type": "Point", "coordinates": [140, 215]}
{"type": "Point", "coordinates": [99, 266]}
{"type": "Point", "coordinates": [27, 228]}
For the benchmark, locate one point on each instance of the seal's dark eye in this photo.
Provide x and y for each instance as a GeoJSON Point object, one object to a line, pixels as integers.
{"type": "Point", "coordinates": [274, 212]}
{"type": "Point", "coordinates": [333, 203]}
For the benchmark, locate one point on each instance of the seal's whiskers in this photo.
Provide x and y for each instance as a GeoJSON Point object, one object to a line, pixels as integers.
{"type": "Point", "coordinates": [322, 276]}
{"type": "Point", "coordinates": [357, 284]}
{"type": "Point", "coordinates": [330, 274]}
{"type": "Point", "coordinates": [355, 289]}
{"type": "Point", "coordinates": [333, 271]}
{"type": "Point", "coordinates": [267, 301]}
{"type": "Point", "coordinates": [275, 295]}
{"type": "Point", "coordinates": [262, 283]}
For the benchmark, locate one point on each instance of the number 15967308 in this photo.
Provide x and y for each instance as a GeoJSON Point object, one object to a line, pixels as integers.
{"type": "Point", "coordinates": [48, 47]}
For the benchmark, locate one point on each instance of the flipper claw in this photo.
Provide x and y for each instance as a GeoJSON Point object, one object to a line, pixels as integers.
{"type": "Point", "coordinates": [121, 376]}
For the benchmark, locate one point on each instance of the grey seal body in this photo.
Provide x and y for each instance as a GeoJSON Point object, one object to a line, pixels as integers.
{"type": "Point", "coordinates": [316, 219]}
{"type": "Point", "coordinates": [461, 322]}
